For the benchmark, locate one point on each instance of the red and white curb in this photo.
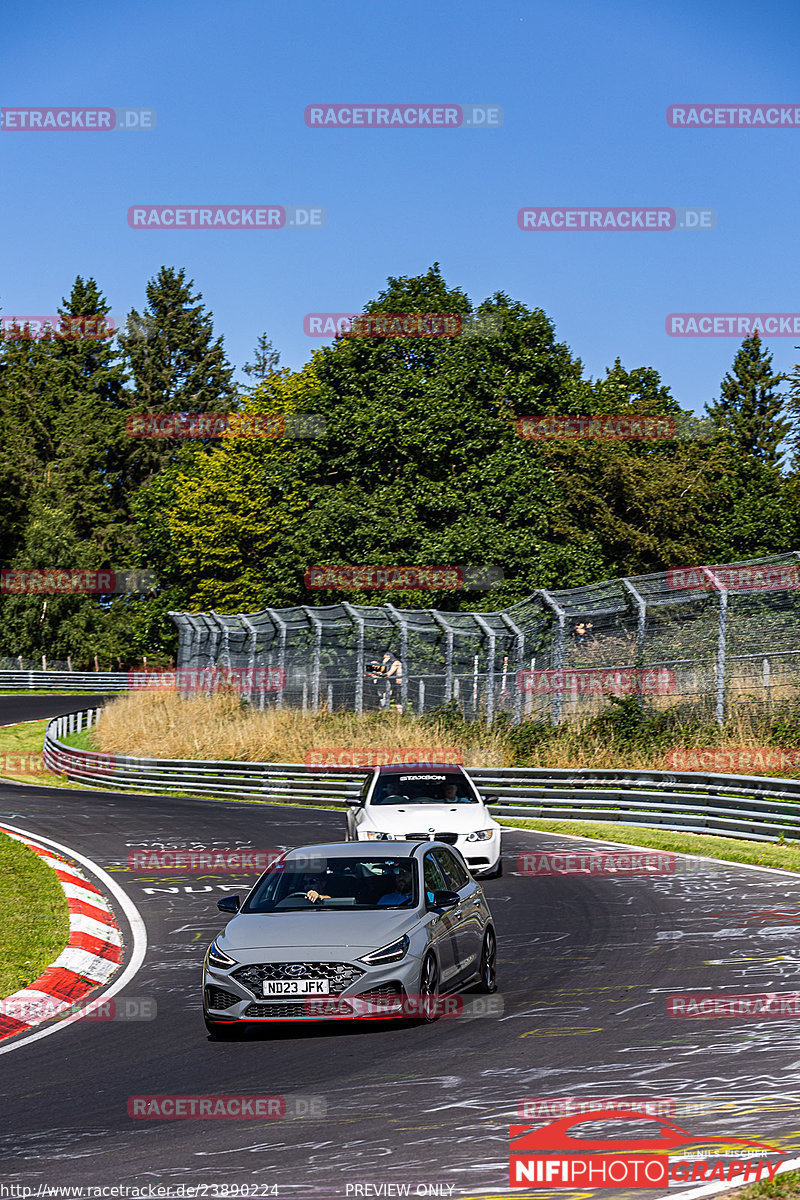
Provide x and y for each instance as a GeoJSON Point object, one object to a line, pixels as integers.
{"type": "Point", "coordinates": [92, 955]}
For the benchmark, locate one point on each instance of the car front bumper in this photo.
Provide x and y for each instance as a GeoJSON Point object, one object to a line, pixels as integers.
{"type": "Point", "coordinates": [229, 1000]}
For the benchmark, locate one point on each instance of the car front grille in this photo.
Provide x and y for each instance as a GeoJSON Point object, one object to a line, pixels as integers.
{"type": "Point", "coordinates": [387, 991]}
{"type": "Point", "coordinates": [341, 975]}
{"type": "Point", "coordinates": [449, 838]}
{"type": "Point", "coordinates": [276, 1010]}
{"type": "Point", "coordinates": [217, 998]}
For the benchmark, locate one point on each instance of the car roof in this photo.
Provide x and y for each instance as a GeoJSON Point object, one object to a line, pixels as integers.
{"type": "Point", "coordinates": [358, 850]}
{"type": "Point", "coordinates": [418, 768]}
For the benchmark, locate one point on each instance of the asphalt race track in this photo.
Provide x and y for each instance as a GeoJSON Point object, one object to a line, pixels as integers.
{"type": "Point", "coordinates": [585, 966]}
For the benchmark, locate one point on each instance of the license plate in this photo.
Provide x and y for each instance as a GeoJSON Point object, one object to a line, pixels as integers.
{"type": "Point", "coordinates": [296, 987]}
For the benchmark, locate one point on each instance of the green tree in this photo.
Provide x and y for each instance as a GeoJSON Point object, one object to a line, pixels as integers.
{"type": "Point", "coordinates": [749, 412]}
{"type": "Point", "coordinates": [177, 365]}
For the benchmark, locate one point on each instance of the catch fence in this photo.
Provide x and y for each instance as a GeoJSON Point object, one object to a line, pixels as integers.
{"type": "Point", "coordinates": [703, 635]}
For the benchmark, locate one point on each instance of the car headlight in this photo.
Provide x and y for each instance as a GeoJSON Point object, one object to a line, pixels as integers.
{"type": "Point", "coordinates": [374, 835]}
{"type": "Point", "coordinates": [218, 958]}
{"type": "Point", "coordinates": [480, 835]}
{"type": "Point", "coordinates": [387, 954]}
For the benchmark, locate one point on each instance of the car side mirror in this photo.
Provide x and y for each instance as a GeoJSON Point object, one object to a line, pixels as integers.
{"type": "Point", "coordinates": [491, 800]}
{"type": "Point", "coordinates": [229, 904]}
{"type": "Point", "coordinates": [444, 900]}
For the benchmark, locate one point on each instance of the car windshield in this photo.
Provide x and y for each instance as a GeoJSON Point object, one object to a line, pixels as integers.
{"type": "Point", "coordinates": [445, 788]}
{"type": "Point", "coordinates": [335, 883]}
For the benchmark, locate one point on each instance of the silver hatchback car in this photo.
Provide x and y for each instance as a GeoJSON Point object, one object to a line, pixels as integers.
{"type": "Point", "coordinates": [348, 930]}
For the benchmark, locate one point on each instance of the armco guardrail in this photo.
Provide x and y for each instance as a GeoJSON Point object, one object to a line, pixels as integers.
{"type": "Point", "coordinates": [759, 809]}
{"type": "Point", "coordinates": [64, 681]}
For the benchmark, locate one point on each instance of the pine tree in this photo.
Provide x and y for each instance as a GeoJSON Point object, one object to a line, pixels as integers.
{"type": "Point", "coordinates": [266, 362]}
{"type": "Point", "coordinates": [750, 409]}
{"type": "Point", "coordinates": [176, 364]}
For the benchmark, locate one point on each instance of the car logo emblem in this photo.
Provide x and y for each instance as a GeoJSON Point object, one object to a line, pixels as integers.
{"type": "Point", "coordinates": [297, 969]}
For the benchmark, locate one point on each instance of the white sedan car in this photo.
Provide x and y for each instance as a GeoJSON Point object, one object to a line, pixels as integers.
{"type": "Point", "coordinates": [417, 803]}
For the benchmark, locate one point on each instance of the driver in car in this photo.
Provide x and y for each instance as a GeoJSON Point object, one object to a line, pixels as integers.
{"type": "Point", "coordinates": [313, 883]}
{"type": "Point", "coordinates": [451, 794]}
{"type": "Point", "coordinates": [402, 888]}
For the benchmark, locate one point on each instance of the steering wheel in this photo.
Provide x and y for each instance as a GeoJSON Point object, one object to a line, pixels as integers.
{"type": "Point", "coordinates": [304, 895]}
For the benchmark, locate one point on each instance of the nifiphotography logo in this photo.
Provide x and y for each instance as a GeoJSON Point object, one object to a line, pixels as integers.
{"type": "Point", "coordinates": [554, 1156]}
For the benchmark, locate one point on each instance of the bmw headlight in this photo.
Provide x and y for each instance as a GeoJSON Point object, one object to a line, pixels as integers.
{"type": "Point", "coordinates": [375, 835]}
{"type": "Point", "coordinates": [218, 958]}
{"type": "Point", "coordinates": [480, 835]}
{"type": "Point", "coordinates": [387, 954]}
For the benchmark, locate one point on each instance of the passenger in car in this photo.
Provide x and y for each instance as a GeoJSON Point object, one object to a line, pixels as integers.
{"type": "Point", "coordinates": [403, 889]}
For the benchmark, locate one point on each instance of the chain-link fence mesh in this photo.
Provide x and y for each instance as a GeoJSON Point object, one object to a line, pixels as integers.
{"type": "Point", "coordinates": [703, 635]}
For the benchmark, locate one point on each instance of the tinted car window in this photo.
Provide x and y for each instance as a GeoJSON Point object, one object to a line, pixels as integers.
{"type": "Point", "coordinates": [361, 883]}
{"type": "Point", "coordinates": [435, 880]}
{"type": "Point", "coordinates": [455, 874]}
{"type": "Point", "coordinates": [446, 787]}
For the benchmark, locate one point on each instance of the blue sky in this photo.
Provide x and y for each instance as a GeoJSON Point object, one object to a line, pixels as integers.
{"type": "Point", "coordinates": [584, 86]}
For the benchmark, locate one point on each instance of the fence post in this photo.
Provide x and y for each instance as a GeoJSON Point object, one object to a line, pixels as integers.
{"type": "Point", "coordinates": [490, 634]}
{"type": "Point", "coordinates": [359, 623]}
{"type": "Point", "coordinates": [561, 619]}
{"type": "Point", "coordinates": [330, 697]}
{"type": "Point", "coordinates": [443, 623]}
{"type": "Point", "coordinates": [512, 625]}
{"type": "Point", "coordinates": [280, 625]}
{"type": "Point", "coordinates": [317, 663]}
{"type": "Point", "coordinates": [422, 695]}
{"type": "Point", "coordinates": [765, 677]}
{"type": "Point", "coordinates": [722, 631]}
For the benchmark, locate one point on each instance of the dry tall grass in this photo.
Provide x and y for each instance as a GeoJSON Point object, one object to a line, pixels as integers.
{"type": "Point", "coordinates": [160, 725]}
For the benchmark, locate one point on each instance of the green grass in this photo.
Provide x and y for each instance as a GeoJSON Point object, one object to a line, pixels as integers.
{"type": "Point", "coordinates": [782, 1187]}
{"type": "Point", "coordinates": [762, 854]}
{"type": "Point", "coordinates": [34, 918]}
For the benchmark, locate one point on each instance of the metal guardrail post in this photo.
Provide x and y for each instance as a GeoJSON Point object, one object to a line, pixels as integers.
{"type": "Point", "coordinates": [722, 631]}
{"type": "Point", "coordinates": [358, 621]}
{"type": "Point", "coordinates": [561, 618]}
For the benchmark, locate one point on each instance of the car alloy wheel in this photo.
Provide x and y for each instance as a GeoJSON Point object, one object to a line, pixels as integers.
{"type": "Point", "coordinates": [429, 985]}
{"type": "Point", "coordinates": [488, 974]}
